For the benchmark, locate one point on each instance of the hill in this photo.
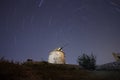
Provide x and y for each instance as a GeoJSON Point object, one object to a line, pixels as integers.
{"type": "Point", "coordinates": [110, 66]}
{"type": "Point", "coordinates": [44, 71]}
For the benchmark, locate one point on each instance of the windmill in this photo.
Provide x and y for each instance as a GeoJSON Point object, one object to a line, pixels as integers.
{"type": "Point", "coordinates": [116, 56]}
{"type": "Point", "coordinates": [57, 56]}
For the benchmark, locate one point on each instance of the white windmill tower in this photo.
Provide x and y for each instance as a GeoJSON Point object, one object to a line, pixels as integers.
{"type": "Point", "coordinates": [57, 56]}
{"type": "Point", "coordinates": [116, 56]}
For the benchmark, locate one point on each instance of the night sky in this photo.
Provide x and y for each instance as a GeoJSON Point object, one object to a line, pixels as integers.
{"type": "Point", "coordinates": [33, 28]}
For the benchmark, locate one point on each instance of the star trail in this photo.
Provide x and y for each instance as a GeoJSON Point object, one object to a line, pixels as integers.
{"type": "Point", "coordinates": [32, 28]}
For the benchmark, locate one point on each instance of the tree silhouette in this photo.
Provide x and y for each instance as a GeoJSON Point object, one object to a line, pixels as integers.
{"type": "Point", "coordinates": [87, 62]}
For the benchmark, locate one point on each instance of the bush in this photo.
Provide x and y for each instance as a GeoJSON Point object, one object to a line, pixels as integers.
{"type": "Point", "coordinates": [87, 62]}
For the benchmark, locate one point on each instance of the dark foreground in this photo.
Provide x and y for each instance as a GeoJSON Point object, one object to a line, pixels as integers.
{"type": "Point", "coordinates": [45, 71]}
